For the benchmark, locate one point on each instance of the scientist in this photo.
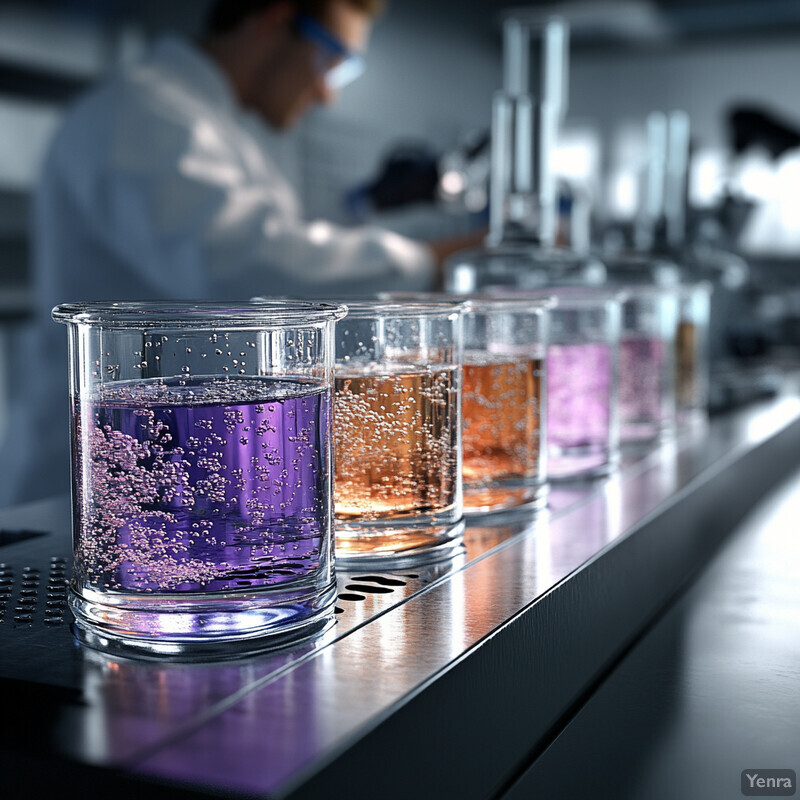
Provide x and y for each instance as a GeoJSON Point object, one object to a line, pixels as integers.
{"type": "Point", "coordinates": [160, 185]}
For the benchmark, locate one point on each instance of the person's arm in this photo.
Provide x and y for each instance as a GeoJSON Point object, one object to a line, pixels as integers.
{"type": "Point", "coordinates": [176, 200]}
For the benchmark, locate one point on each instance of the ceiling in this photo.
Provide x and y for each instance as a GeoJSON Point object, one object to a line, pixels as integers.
{"type": "Point", "coordinates": [594, 22]}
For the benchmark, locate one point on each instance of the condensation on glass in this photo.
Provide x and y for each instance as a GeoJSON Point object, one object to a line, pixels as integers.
{"type": "Point", "coordinates": [202, 468]}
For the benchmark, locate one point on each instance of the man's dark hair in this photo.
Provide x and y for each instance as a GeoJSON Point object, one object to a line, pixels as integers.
{"type": "Point", "coordinates": [226, 15]}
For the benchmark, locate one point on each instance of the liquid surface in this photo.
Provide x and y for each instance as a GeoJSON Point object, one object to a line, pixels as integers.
{"type": "Point", "coordinates": [501, 413]}
{"type": "Point", "coordinates": [396, 441]}
{"type": "Point", "coordinates": [202, 484]}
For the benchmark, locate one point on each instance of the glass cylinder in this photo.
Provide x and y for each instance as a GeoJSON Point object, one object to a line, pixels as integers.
{"type": "Point", "coordinates": [397, 429]}
{"type": "Point", "coordinates": [691, 349]}
{"type": "Point", "coordinates": [647, 362]}
{"type": "Point", "coordinates": [582, 374]}
{"type": "Point", "coordinates": [582, 380]}
{"type": "Point", "coordinates": [504, 409]}
{"type": "Point", "coordinates": [202, 499]}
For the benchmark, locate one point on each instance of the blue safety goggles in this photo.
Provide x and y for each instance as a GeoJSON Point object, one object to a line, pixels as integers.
{"type": "Point", "coordinates": [339, 64]}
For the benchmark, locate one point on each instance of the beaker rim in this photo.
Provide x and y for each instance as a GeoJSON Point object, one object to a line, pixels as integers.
{"type": "Point", "coordinates": [633, 291]}
{"type": "Point", "coordinates": [568, 296]}
{"type": "Point", "coordinates": [365, 308]}
{"type": "Point", "coordinates": [473, 301]}
{"type": "Point", "coordinates": [186, 314]}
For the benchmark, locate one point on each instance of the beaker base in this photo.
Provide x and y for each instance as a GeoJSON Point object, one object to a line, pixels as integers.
{"type": "Point", "coordinates": [203, 628]}
{"type": "Point", "coordinates": [578, 463]}
{"type": "Point", "coordinates": [644, 432]}
{"type": "Point", "coordinates": [396, 547]}
{"type": "Point", "coordinates": [503, 499]}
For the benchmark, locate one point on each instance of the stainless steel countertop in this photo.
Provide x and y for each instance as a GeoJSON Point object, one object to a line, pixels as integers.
{"type": "Point", "coordinates": [554, 596]}
{"type": "Point", "coordinates": [711, 690]}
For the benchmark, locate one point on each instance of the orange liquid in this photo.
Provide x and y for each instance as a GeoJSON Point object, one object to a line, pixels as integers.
{"type": "Point", "coordinates": [395, 433]}
{"type": "Point", "coordinates": [501, 428]}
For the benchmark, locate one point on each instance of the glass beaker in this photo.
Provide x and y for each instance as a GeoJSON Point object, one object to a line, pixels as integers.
{"type": "Point", "coordinates": [582, 376]}
{"type": "Point", "coordinates": [397, 432]}
{"type": "Point", "coordinates": [504, 409]}
{"type": "Point", "coordinates": [647, 362]}
{"type": "Point", "coordinates": [582, 379]}
{"type": "Point", "coordinates": [202, 500]}
{"type": "Point", "coordinates": [691, 349]}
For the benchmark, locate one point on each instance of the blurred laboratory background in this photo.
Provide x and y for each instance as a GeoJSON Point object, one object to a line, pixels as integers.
{"type": "Point", "coordinates": [407, 146]}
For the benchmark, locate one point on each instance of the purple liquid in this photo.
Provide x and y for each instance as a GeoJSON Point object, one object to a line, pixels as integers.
{"type": "Point", "coordinates": [578, 395]}
{"type": "Point", "coordinates": [202, 485]}
{"type": "Point", "coordinates": [641, 386]}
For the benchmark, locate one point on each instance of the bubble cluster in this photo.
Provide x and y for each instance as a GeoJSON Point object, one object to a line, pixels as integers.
{"type": "Point", "coordinates": [501, 411]}
{"type": "Point", "coordinates": [396, 440]}
{"type": "Point", "coordinates": [201, 485]}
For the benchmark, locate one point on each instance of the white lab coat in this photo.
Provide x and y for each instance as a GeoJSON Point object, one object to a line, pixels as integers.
{"type": "Point", "coordinates": [158, 187]}
{"type": "Point", "coordinates": [158, 182]}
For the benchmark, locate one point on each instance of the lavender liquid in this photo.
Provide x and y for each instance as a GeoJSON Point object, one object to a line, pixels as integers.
{"type": "Point", "coordinates": [642, 372]}
{"type": "Point", "coordinates": [202, 485]}
{"type": "Point", "coordinates": [578, 407]}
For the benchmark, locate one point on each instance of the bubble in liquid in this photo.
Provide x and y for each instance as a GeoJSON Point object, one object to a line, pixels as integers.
{"type": "Point", "coordinates": [395, 463]}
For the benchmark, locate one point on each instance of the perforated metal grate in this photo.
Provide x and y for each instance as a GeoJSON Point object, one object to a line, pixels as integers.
{"type": "Point", "coordinates": [33, 596]}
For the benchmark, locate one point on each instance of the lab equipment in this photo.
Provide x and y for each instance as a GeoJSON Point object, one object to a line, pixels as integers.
{"type": "Point", "coordinates": [201, 474]}
{"type": "Point", "coordinates": [647, 363]}
{"type": "Point", "coordinates": [397, 431]}
{"type": "Point", "coordinates": [520, 249]}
